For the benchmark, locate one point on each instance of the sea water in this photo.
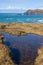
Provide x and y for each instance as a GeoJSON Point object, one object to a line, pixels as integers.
{"type": "Point", "coordinates": [15, 17]}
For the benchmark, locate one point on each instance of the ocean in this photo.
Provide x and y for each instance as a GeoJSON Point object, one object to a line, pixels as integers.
{"type": "Point", "coordinates": [15, 17]}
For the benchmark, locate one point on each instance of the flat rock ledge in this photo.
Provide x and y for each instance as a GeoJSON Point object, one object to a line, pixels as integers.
{"type": "Point", "coordinates": [22, 28]}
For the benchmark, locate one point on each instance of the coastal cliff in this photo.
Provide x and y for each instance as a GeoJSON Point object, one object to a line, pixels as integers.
{"type": "Point", "coordinates": [36, 11]}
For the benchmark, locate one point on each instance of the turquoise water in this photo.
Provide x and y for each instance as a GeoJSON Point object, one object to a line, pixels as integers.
{"type": "Point", "coordinates": [14, 17]}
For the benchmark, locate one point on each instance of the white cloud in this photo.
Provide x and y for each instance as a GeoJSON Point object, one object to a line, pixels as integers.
{"type": "Point", "coordinates": [12, 8]}
{"type": "Point", "coordinates": [40, 8]}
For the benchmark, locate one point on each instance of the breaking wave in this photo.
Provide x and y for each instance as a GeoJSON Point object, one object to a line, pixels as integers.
{"type": "Point", "coordinates": [40, 21]}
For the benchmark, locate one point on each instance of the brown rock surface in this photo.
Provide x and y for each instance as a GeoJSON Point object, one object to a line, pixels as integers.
{"type": "Point", "coordinates": [22, 28]}
{"type": "Point", "coordinates": [39, 58]}
{"type": "Point", "coordinates": [5, 58]}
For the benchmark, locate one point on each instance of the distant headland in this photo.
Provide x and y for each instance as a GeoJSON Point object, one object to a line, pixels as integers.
{"type": "Point", "coordinates": [35, 11]}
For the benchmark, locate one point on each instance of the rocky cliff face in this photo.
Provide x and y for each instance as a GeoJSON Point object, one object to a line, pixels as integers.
{"type": "Point", "coordinates": [37, 11]}
{"type": "Point", "coordinates": [5, 58]}
{"type": "Point", "coordinates": [39, 58]}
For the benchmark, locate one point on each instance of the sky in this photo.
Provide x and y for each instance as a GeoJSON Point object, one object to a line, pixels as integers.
{"type": "Point", "coordinates": [19, 6]}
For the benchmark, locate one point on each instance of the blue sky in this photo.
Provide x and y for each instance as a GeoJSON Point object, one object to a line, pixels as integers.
{"type": "Point", "coordinates": [20, 5]}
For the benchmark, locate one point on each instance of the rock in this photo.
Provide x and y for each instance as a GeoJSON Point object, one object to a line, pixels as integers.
{"type": "Point", "coordinates": [36, 11]}
{"type": "Point", "coordinates": [5, 54]}
{"type": "Point", "coordinates": [19, 29]}
{"type": "Point", "coordinates": [39, 58]}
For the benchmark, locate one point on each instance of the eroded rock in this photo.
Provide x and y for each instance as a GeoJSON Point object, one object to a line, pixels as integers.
{"type": "Point", "coordinates": [5, 54]}
{"type": "Point", "coordinates": [39, 58]}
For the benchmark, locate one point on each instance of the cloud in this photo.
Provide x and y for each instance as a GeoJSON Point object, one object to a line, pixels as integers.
{"type": "Point", "coordinates": [40, 8]}
{"type": "Point", "coordinates": [11, 8]}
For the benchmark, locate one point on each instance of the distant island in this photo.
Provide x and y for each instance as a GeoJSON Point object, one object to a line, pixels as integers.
{"type": "Point", "coordinates": [36, 11]}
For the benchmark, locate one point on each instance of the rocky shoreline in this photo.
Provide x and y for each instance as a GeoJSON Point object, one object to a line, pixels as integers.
{"type": "Point", "coordinates": [22, 28]}
{"type": "Point", "coordinates": [14, 29]}
{"type": "Point", "coordinates": [39, 58]}
{"type": "Point", "coordinates": [5, 54]}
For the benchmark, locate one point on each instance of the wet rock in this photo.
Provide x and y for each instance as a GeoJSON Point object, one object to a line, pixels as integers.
{"type": "Point", "coordinates": [5, 54]}
{"type": "Point", "coordinates": [19, 29]}
{"type": "Point", "coordinates": [39, 58]}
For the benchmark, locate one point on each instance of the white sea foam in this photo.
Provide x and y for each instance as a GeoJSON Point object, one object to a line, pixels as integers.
{"type": "Point", "coordinates": [40, 21]}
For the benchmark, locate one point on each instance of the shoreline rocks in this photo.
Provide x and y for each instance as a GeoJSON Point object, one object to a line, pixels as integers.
{"type": "Point", "coordinates": [39, 58]}
{"type": "Point", "coordinates": [5, 58]}
{"type": "Point", "coordinates": [22, 28]}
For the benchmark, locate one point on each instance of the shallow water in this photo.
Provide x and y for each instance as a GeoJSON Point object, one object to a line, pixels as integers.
{"type": "Point", "coordinates": [23, 48]}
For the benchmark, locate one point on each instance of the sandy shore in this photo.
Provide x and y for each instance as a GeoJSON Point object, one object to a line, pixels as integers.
{"type": "Point", "coordinates": [22, 28]}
